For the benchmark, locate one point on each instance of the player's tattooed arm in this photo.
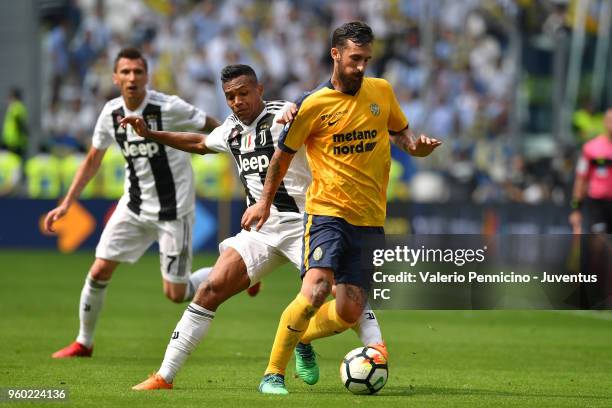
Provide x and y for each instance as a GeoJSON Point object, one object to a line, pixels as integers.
{"type": "Point", "coordinates": [415, 146]}
{"type": "Point", "coordinates": [188, 142]}
{"type": "Point", "coordinates": [260, 211]}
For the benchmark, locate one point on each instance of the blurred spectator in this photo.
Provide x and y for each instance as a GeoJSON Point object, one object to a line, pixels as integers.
{"type": "Point", "coordinates": [57, 48]}
{"type": "Point", "coordinates": [442, 119]}
{"type": "Point", "coordinates": [587, 122]}
{"type": "Point", "coordinates": [83, 55]}
{"type": "Point", "coordinates": [43, 173]}
{"type": "Point", "coordinates": [15, 127]}
{"type": "Point", "coordinates": [10, 171]}
{"type": "Point", "coordinates": [97, 29]}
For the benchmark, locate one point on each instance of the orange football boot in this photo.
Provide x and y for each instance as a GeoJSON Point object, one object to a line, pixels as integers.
{"type": "Point", "coordinates": [382, 348]}
{"type": "Point", "coordinates": [154, 382]}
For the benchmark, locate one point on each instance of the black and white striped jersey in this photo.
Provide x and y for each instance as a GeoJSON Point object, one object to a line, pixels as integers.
{"type": "Point", "coordinates": [252, 147]}
{"type": "Point", "coordinates": [159, 179]}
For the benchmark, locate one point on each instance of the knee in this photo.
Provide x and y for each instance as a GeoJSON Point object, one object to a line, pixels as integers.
{"type": "Point", "coordinates": [209, 294]}
{"type": "Point", "coordinates": [350, 303]}
{"type": "Point", "coordinates": [320, 290]}
{"type": "Point", "coordinates": [207, 288]}
{"type": "Point", "coordinates": [350, 314]}
{"type": "Point", "coordinates": [101, 272]}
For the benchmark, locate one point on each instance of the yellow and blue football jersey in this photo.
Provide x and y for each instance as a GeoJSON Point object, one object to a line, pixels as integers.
{"type": "Point", "coordinates": [348, 149]}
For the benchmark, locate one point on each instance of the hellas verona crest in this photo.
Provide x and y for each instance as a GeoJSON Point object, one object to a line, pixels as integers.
{"type": "Point", "coordinates": [375, 109]}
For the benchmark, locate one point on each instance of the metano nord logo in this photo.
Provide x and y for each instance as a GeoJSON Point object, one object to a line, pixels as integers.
{"type": "Point", "coordinates": [342, 148]}
{"type": "Point", "coordinates": [375, 109]}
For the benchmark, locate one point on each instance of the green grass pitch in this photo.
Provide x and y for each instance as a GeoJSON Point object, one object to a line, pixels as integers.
{"type": "Point", "coordinates": [438, 358]}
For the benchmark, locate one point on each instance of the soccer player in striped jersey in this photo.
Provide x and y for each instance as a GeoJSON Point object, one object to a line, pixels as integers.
{"type": "Point", "coordinates": [250, 135]}
{"type": "Point", "coordinates": [346, 125]}
{"type": "Point", "coordinates": [158, 200]}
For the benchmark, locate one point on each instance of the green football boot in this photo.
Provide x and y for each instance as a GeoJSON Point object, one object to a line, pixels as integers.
{"type": "Point", "coordinates": [306, 363]}
{"type": "Point", "coordinates": [273, 384]}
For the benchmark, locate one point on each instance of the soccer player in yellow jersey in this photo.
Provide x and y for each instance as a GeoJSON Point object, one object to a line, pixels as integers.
{"type": "Point", "coordinates": [346, 125]}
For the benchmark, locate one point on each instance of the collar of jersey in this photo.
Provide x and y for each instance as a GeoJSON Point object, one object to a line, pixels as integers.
{"type": "Point", "coordinates": [256, 120]}
{"type": "Point", "coordinates": [331, 86]}
{"type": "Point", "coordinates": [140, 107]}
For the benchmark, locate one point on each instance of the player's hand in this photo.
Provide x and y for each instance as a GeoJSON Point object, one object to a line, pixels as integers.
{"type": "Point", "coordinates": [423, 146]}
{"type": "Point", "coordinates": [257, 213]}
{"type": "Point", "coordinates": [288, 115]}
{"type": "Point", "coordinates": [54, 215]}
{"type": "Point", "coordinates": [575, 220]}
{"type": "Point", "coordinates": [138, 123]}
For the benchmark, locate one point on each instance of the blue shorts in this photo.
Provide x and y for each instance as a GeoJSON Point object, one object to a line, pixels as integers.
{"type": "Point", "coordinates": [331, 242]}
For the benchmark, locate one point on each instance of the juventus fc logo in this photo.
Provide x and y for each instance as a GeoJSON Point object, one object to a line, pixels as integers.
{"type": "Point", "coordinates": [263, 138]}
{"type": "Point", "coordinates": [175, 335]}
{"type": "Point", "coordinates": [152, 122]}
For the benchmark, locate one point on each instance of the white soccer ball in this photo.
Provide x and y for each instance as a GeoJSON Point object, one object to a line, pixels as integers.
{"type": "Point", "coordinates": [364, 370]}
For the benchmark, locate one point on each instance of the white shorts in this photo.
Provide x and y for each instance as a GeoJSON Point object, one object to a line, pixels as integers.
{"type": "Point", "coordinates": [278, 242]}
{"type": "Point", "coordinates": [126, 237]}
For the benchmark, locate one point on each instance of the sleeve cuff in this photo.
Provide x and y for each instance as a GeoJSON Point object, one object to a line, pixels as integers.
{"type": "Point", "coordinates": [394, 132]}
{"type": "Point", "coordinates": [286, 148]}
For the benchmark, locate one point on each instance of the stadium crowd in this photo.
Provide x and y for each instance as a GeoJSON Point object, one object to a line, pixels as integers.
{"type": "Point", "coordinates": [450, 62]}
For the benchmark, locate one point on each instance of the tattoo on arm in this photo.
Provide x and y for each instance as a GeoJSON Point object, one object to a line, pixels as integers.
{"type": "Point", "coordinates": [403, 139]}
{"type": "Point", "coordinates": [273, 171]}
{"type": "Point", "coordinates": [274, 176]}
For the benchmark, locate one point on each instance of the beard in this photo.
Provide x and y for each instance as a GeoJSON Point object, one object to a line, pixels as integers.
{"type": "Point", "coordinates": [350, 82]}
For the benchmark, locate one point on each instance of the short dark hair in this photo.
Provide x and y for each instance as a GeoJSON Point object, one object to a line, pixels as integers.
{"type": "Point", "coordinates": [130, 53]}
{"type": "Point", "coordinates": [357, 31]}
{"type": "Point", "coordinates": [234, 71]}
{"type": "Point", "coordinates": [15, 93]}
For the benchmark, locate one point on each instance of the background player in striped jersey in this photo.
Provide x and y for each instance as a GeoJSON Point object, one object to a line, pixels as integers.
{"type": "Point", "coordinates": [158, 200]}
{"type": "Point", "coordinates": [250, 134]}
{"type": "Point", "coordinates": [346, 125]}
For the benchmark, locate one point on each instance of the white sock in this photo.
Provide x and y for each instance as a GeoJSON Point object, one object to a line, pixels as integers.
{"type": "Point", "coordinates": [367, 327]}
{"type": "Point", "coordinates": [90, 306]}
{"type": "Point", "coordinates": [195, 279]}
{"type": "Point", "coordinates": [189, 331]}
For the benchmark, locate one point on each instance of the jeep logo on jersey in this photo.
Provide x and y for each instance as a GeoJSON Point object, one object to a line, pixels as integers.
{"type": "Point", "coordinates": [140, 149]}
{"type": "Point", "coordinates": [253, 163]}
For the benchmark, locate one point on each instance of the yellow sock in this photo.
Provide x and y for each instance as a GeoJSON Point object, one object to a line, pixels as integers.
{"type": "Point", "coordinates": [325, 323]}
{"type": "Point", "coordinates": [293, 323]}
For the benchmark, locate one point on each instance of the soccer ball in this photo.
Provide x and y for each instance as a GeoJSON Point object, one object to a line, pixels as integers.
{"type": "Point", "coordinates": [364, 370]}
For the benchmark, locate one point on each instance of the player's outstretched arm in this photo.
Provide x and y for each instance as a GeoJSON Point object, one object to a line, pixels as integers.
{"type": "Point", "coordinates": [86, 171]}
{"type": "Point", "coordinates": [211, 124]}
{"type": "Point", "coordinates": [415, 146]}
{"type": "Point", "coordinates": [189, 142]}
{"type": "Point", "coordinates": [260, 211]}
